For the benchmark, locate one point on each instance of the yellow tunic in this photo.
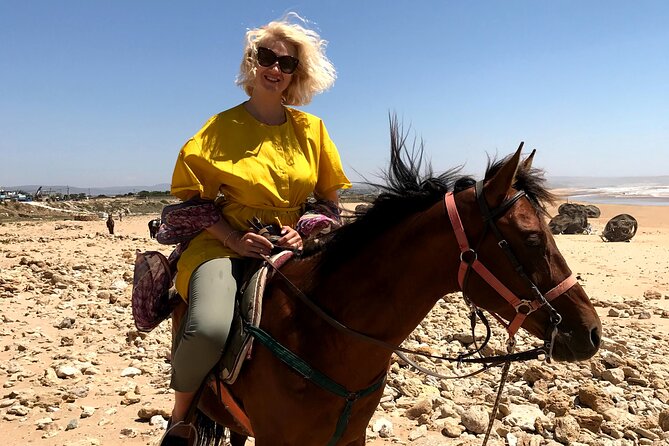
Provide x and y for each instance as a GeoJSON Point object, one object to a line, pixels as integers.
{"type": "Point", "coordinates": [262, 171]}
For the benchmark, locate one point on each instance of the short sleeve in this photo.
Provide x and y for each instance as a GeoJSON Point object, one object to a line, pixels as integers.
{"type": "Point", "coordinates": [193, 174]}
{"type": "Point", "coordinates": [330, 171]}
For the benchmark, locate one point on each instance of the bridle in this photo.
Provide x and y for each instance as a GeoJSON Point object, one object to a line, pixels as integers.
{"type": "Point", "coordinates": [524, 307]}
{"type": "Point", "coordinates": [469, 261]}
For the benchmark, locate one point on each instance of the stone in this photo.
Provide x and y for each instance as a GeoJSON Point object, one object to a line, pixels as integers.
{"type": "Point", "coordinates": [130, 372]}
{"type": "Point", "coordinates": [567, 429]}
{"type": "Point", "coordinates": [475, 419]}
{"type": "Point", "coordinates": [451, 428]}
{"type": "Point", "coordinates": [524, 416]}
{"type": "Point", "coordinates": [663, 419]}
{"type": "Point", "coordinates": [422, 407]}
{"type": "Point", "coordinates": [614, 376]}
{"type": "Point", "coordinates": [594, 397]}
{"type": "Point", "coordinates": [67, 372]}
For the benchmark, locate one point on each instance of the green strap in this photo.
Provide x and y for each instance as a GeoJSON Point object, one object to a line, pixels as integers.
{"type": "Point", "coordinates": [296, 363]}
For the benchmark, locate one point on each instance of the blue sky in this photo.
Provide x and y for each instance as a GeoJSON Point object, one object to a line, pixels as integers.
{"type": "Point", "coordinates": [104, 93]}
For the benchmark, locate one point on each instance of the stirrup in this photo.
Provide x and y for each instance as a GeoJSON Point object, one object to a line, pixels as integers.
{"type": "Point", "coordinates": [180, 433]}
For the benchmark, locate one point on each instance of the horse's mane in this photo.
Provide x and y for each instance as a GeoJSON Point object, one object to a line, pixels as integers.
{"type": "Point", "coordinates": [410, 188]}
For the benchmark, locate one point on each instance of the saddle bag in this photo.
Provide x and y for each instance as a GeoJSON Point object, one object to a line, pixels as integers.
{"type": "Point", "coordinates": [153, 297]}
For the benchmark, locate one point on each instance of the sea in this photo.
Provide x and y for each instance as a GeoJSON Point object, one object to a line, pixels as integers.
{"type": "Point", "coordinates": [645, 191]}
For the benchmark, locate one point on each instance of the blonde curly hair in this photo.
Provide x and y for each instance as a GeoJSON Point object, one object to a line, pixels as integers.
{"type": "Point", "coordinates": [314, 74]}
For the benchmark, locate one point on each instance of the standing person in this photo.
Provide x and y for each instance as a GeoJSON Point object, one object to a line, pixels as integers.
{"type": "Point", "coordinates": [265, 158]}
{"type": "Point", "coordinates": [110, 224]}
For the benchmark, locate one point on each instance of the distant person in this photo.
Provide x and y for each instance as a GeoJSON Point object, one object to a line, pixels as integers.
{"type": "Point", "coordinates": [154, 225]}
{"type": "Point", "coordinates": [110, 224]}
{"type": "Point", "coordinates": [266, 159]}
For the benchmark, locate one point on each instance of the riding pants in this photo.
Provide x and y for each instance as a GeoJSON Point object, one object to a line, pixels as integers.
{"type": "Point", "coordinates": [201, 338]}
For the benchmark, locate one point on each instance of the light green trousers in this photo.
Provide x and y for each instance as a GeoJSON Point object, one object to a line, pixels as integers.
{"type": "Point", "coordinates": [201, 338]}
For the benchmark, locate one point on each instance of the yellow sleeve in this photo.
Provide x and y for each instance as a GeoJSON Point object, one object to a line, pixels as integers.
{"type": "Point", "coordinates": [194, 174]}
{"type": "Point", "coordinates": [330, 171]}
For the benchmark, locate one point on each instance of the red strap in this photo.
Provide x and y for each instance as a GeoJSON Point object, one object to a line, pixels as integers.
{"type": "Point", "coordinates": [456, 222]}
{"type": "Point", "coordinates": [561, 288]}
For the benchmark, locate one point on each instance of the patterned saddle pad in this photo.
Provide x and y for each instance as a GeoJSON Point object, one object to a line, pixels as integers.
{"type": "Point", "coordinates": [248, 307]}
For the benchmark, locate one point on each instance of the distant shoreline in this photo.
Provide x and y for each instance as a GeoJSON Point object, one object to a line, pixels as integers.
{"type": "Point", "coordinates": [596, 196]}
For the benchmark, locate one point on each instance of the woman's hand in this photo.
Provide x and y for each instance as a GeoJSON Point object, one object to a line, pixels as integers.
{"type": "Point", "coordinates": [290, 238]}
{"type": "Point", "coordinates": [249, 244]}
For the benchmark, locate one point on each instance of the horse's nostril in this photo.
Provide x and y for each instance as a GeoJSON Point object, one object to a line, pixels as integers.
{"type": "Point", "coordinates": [595, 337]}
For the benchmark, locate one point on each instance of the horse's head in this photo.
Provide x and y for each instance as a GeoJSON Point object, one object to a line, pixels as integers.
{"type": "Point", "coordinates": [507, 235]}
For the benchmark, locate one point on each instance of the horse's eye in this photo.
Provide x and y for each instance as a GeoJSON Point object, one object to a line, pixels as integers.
{"type": "Point", "coordinates": [534, 241]}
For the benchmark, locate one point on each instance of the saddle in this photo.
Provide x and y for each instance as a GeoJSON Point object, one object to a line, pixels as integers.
{"type": "Point", "coordinates": [248, 307]}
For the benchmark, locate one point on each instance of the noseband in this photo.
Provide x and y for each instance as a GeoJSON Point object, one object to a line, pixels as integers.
{"type": "Point", "coordinates": [469, 261]}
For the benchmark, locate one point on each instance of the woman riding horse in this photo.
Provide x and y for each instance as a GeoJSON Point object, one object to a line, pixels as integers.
{"type": "Point", "coordinates": [265, 159]}
{"type": "Point", "coordinates": [337, 311]}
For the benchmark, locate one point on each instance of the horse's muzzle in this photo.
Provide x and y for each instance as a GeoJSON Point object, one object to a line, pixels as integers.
{"type": "Point", "coordinates": [577, 345]}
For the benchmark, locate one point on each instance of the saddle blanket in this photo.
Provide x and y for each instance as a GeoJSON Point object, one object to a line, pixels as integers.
{"type": "Point", "coordinates": [249, 308]}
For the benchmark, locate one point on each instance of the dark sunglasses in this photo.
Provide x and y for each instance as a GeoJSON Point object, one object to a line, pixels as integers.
{"type": "Point", "coordinates": [267, 58]}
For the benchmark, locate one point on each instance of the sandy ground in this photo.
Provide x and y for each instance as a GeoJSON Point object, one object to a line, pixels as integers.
{"type": "Point", "coordinates": [609, 272]}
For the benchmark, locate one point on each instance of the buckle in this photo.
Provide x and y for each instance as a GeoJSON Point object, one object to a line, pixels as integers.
{"type": "Point", "coordinates": [468, 253]}
{"type": "Point", "coordinates": [524, 307]}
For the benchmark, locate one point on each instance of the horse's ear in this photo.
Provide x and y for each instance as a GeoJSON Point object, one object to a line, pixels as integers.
{"type": "Point", "coordinates": [496, 188]}
{"type": "Point", "coordinates": [527, 163]}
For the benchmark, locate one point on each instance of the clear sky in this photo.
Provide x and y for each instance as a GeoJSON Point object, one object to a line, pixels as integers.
{"type": "Point", "coordinates": [104, 93]}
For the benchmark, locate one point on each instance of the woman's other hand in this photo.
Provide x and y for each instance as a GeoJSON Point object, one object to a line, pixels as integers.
{"type": "Point", "coordinates": [290, 238]}
{"type": "Point", "coordinates": [249, 244]}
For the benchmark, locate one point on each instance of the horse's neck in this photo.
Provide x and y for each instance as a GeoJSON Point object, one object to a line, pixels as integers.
{"type": "Point", "coordinates": [388, 289]}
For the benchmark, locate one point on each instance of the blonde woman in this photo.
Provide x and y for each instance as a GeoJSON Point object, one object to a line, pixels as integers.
{"type": "Point", "coordinates": [265, 158]}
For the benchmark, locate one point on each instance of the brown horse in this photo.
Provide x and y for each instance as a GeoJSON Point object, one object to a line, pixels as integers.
{"type": "Point", "coordinates": [381, 275]}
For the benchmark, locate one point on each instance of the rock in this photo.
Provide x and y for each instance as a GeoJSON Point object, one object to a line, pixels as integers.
{"type": "Point", "coordinates": [130, 398]}
{"type": "Point", "coordinates": [380, 423]}
{"type": "Point", "coordinates": [451, 428]}
{"type": "Point", "coordinates": [535, 373]}
{"type": "Point", "coordinates": [663, 419]}
{"type": "Point", "coordinates": [72, 424]}
{"type": "Point", "coordinates": [42, 422]}
{"type": "Point", "coordinates": [588, 419]}
{"type": "Point", "coordinates": [67, 372]}
{"type": "Point", "coordinates": [567, 429]}
{"type": "Point", "coordinates": [422, 407]}
{"type": "Point", "coordinates": [131, 371]}
{"type": "Point", "coordinates": [475, 419]}
{"type": "Point", "coordinates": [87, 411]}
{"type": "Point", "coordinates": [417, 433]}
{"type": "Point", "coordinates": [158, 421]}
{"type": "Point", "coordinates": [593, 397]}
{"type": "Point", "coordinates": [67, 322]}
{"type": "Point", "coordinates": [524, 416]}
{"type": "Point", "coordinates": [615, 376]}
{"type": "Point", "coordinates": [147, 412]}
{"type": "Point", "coordinates": [558, 402]}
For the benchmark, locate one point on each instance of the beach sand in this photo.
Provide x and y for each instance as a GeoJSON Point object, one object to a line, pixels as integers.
{"type": "Point", "coordinates": [55, 271]}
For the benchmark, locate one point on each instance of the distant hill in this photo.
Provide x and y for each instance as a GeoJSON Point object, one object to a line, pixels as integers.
{"type": "Point", "coordinates": [554, 182]}
{"type": "Point", "coordinates": [93, 191]}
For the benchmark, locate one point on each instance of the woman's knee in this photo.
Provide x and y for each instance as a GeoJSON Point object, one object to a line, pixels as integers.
{"type": "Point", "coordinates": [213, 332]}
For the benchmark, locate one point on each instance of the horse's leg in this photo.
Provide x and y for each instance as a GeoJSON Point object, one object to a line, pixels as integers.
{"type": "Point", "coordinates": [237, 439]}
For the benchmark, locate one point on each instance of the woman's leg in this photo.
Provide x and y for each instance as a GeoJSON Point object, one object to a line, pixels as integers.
{"type": "Point", "coordinates": [204, 331]}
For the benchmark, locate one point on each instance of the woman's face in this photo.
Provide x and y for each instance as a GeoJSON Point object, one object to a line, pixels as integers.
{"type": "Point", "coordinates": [272, 78]}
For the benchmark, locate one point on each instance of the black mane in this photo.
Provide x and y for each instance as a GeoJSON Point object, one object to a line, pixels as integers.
{"type": "Point", "coordinates": [408, 191]}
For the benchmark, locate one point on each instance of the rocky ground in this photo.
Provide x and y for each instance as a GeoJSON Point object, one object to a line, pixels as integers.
{"type": "Point", "coordinates": [74, 370]}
